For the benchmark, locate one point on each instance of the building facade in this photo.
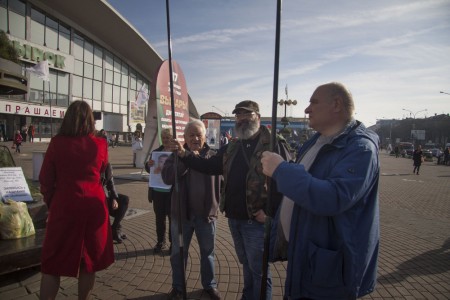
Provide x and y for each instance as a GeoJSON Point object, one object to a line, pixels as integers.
{"type": "Point", "coordinates": [94, 55]}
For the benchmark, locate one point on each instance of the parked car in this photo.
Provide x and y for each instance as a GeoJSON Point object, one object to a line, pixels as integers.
{"type": "Point", "coordinates": [407, 151]}
{"type": "Point", "coordinates": [427, 154]}
{"type": "Point", "coordinates": [435, 151]}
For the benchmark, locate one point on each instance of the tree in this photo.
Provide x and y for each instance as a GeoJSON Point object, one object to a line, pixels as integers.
{"type": "Point", "coordinates": [7, 50]}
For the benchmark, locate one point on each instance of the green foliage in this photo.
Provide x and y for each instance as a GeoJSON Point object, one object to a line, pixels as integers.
{"type": "Point", "coordinates": [7, 51]}
{"type": "Point", "coordinates": [6, 159]}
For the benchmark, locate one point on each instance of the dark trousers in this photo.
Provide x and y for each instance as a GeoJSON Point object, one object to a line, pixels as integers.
{"type": "Point", "coordinates": [120, 212]}
{"type": "Point", "coordinates": [161, 207]}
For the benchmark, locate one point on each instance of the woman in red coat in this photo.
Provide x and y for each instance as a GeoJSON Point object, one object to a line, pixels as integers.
{"type": "Point", "coordinates": [78, 239]}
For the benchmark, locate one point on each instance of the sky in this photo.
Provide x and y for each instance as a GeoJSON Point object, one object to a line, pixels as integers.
{"type": "Point", "coordinates": [393, 55]}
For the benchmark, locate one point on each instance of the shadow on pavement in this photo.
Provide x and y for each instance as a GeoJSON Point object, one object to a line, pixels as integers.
{"type": "Point", "coordinates": [431, 262]}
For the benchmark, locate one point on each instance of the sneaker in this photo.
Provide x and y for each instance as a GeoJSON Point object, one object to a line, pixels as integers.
{"type": "Point", "coordinates": [175, 294]}
{"type": "Point", "coordinates": [213, 293]}
{"type": "Point", "coordinates": [159, 247]}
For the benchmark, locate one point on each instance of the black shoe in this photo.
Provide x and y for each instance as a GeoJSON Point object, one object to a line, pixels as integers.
{"type": "Point", "coordinates": [116, 237]}
{"type": "Point", "coordinates": [159, 247]}
{"type": "Point", "coordinates": [213, 293]}
{"type": "Point", "coordinates": [123, 236]}
{"type": "Point", "coordinates": [175, 294]}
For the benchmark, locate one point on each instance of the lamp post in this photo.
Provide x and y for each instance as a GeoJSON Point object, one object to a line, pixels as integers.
{"type": "Point", "coordinates": [413, 134]}
{"type": "Point", "coordinates": [287, 102]}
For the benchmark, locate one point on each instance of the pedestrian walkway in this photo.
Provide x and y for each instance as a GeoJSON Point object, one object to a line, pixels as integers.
{"type": "Point", "coordinates": [414, 253]}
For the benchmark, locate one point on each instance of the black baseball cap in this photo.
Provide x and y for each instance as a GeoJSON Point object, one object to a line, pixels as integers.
{"type": "Point", "coordinates": [247, 105]}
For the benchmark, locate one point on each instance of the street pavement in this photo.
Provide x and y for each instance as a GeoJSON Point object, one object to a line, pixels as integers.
{"type": "Point", "coordinates": [414, 260]}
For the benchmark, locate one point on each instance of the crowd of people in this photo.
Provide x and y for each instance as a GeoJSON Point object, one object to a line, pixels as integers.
{"type": "Point", "coordinates": [321, 210]}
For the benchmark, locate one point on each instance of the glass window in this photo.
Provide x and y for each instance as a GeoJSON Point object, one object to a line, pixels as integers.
{"type": "Point", "coordinates": [97, 93]}
{"type": "Point", "coordinates": [64, 38]}
{"type": "Point", "coordinates": [37, 27]}
{"type": "Point", "coordinates": [124, 80]}
{"type": "Point", "coordinates": [88, 52]}
{"type": "Point", "coordinates": [98, 73]}
{"type": "Point", "coordinates": [88, 70]}
{"type": "Point", "coordinates": [108, 76]}
{"type": "Point", "coordinates": [51, 38]}
{"type": "Point", "coordinates": [63, 83]}
{"type": "Point", "coordinates": [117, 64]}
{"type": "Point", "coordinates": [78, 48]}
{"type": "Point", "coordinates": [98, 56]}
{"type": "Point", "coordinates": [108, 60]}
{"type": "Point", "coordinates": [17, 18]}
{"type": "Point", "coordinates": [116, 94]}
{"type": "Point", "coordinates": [52, 87]}
{"type": "Point", "coordinates": [117, 77]}
{"type": "Point", "coordinates": [3, 16]}
{"type": "Point", "coordinates": [87, 88]}
{"type": "Point", "coordinates": [78, 70]}
{"type": "Point", "coordinates": [77, 89]}
{"type": "Point", "coordinates": [133, 81]}
{"type": "Point", "coordinates": [123, 95]}
{"type": "Point", "coordinates": [108, 93]}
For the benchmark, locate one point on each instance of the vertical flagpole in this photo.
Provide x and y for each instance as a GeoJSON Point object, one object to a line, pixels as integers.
{"type": "Point", "coordinates": [174, 134]}
{"type": "Point", "coordinates": [50, 101]}
{"type": "Point", "coordinates": [268, 222]}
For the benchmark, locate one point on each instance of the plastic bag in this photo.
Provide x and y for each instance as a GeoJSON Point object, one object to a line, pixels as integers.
{"type": "Point", "coordinates": [15, 221]}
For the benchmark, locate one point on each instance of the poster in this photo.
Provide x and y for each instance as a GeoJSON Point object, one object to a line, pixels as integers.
{"type": "Point", "coordinates": [13, 185]}
{"type": "Point", "coordinates": [155, 179]}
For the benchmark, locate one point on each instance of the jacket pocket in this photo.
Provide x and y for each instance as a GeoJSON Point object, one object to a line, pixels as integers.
{"type": "Point", "coordinates": [325, 267]}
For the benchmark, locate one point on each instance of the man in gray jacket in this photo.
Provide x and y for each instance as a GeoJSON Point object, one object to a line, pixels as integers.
{"type": "Point", "coordinates": [199, 197]}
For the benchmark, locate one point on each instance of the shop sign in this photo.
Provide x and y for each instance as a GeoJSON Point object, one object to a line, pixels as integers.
{"type": "Point", "coordinates": [17, 108]}
{"type": "Point", "coordinates": [35, 53]}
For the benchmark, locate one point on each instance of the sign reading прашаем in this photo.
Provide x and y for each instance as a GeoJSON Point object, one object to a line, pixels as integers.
{"type": "Point", "coordinates": [13, 185]}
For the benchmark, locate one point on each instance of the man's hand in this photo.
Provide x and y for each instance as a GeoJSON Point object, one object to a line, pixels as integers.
{"type": "Point", "coordinates": [176, 146]}
{"type": "Point", "coordinates": [270, 161]}
{"type": "Point", "coordinates": [115, 204]}
{"type": "Point", "coordinates": [151, 163]}
{"type": "Point", "coordinates": [260, 216]}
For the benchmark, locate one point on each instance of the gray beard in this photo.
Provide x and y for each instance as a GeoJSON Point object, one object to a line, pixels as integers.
{"type": "Point", "coordinates": [245, 131]}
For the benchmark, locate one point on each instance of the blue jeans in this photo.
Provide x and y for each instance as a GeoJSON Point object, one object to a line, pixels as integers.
{"type": "Point", "coordinates": [206, 234]}
{"type": "Point", "coordinates": [248, 237]}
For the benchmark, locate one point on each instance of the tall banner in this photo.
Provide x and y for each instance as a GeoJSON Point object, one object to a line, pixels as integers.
{"type": "Point", "coordinates": [159, 114]}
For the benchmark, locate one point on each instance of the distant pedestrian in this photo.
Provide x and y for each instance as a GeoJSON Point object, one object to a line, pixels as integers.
{"type": "Point", "coordinates": [31, 132]}
{"type": "Point", "coordinates": [446, 155]}
{"type": "Point", "coordinates": [418, 159]}
{"type": "Point", "coordinates": [24, 133]}
{"type": "Point", "coordinates": [397, 151]}
{"type": "Point", "coordinates": [18, 141]}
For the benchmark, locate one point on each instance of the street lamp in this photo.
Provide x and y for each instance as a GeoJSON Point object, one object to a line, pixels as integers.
{"type": "Point", "coordinates": [443, 92]}
{"type": "Point", "coordinates": [413, 134]}
{"type": "Point", "coordinates": [414, 114]}
{"type": "Point", "coordinates": [287, 102]}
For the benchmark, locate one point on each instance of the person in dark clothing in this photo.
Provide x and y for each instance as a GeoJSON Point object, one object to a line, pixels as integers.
{"type": "Point", "coordinates": [160, 198]}
{"type": "Point", "coordinates": [117, 205]}
{"type": "Point", "coordinates": [244, 197]}
{"type": "Point", "coordinates": [417, 157]}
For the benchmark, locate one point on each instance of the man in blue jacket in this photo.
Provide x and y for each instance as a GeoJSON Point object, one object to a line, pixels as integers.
{"type": "Point", "coordinates": [329, 213]}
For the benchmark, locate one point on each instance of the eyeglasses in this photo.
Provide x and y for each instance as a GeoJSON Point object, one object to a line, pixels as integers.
{"type": "Point", "coordinates": [244, 115]}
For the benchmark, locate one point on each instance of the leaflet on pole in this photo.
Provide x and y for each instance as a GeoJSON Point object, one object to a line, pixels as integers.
{"type": "Point", "coordinates": [155, 179]}
{"type": "Point", "coordinates": [13, 185]}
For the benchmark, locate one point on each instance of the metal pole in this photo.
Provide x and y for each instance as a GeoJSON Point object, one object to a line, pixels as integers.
{"type": "Point", "coordinates": [268, 222]}
{"type": "Point", "coordinates": [174, 134]}
{"type": "Point", "coordinates": [50, 101]}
